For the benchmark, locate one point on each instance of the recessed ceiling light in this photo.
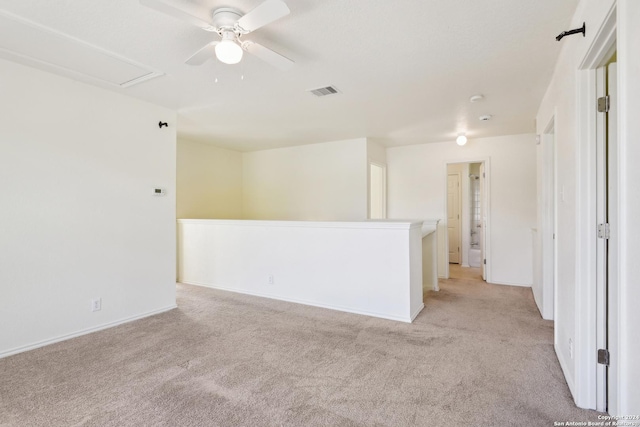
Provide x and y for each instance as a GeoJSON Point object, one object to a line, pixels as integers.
{"type": "Point", "coordinates": [476, 98]}
{"type": "Point", "coordinates": [485, 117]}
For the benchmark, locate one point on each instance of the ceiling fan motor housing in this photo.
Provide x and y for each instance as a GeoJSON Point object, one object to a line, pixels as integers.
{"type": "Point", "coordinates": [225, 18]}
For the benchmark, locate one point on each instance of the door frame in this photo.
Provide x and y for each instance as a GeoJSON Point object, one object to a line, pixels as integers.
{"type": "Point", "coordinates": [382, 166]}
{"type": "Point", "coordinates": [548, 219]}
{"type": "Point", "coordinates": [586, 385]}
{"type": "Point", "coordinates": [486, 213]}
{"type": "Point", "coordinates": [608, 250]}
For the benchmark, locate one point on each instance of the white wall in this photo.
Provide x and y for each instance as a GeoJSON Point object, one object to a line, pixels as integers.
{"type": "Point", "coordinates": [209, 181]}
{"type": "Point", "coordinates": [79, 219]}
{"type": "Point", "coordinates": [575, 296]}
{"type": "Point", "coordinates": [417, 189]}
{"type": "Point", "coordinates": [629, 129]}
{"type": "Point", "coordinates": [325, 182]}
{"type": "Point", "coordinates": [376, 152]}
{"type": "Point", "coordinates": [372, 267]}
{"type": "Point", "coordinates": [560, 99]}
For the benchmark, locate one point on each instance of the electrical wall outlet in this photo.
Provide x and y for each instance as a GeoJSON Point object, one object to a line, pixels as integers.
{"type": "Point", "coordinates": [270, 279]}
{"type": "Point", "coordinates": [96, 304]}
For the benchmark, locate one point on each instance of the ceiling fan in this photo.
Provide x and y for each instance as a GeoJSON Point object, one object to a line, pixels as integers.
{"type": "Point", "coordinates": [231, 25]}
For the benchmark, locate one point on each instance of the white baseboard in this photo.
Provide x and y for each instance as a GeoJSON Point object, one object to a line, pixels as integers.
{"type": "Point", "coordinates": [493, 282]}
{"type": "Point", "coordinates": [407, 319]}
{"type": "Point", "coordinates": [59, 338]}
{"type": "Point", "coordinates": [568, 375]}
{"type": "Point", "coordinates": [414, 315]}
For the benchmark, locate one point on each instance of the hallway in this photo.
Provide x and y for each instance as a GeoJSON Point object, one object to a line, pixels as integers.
{"type": "Point", "coordinates": [470, 273]}
{"type": "Point", "coordinates": [503, 352]}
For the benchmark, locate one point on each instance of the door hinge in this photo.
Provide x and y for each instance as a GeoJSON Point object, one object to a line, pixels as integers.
{"type": "Point", "coordinates": [603, 104]}
{"type": "Point", "coordinates": [603, 356]}
{"type": "Point", "coordinates": [603, 231]}
{"type": "Point", "coordinates": [484, 261]}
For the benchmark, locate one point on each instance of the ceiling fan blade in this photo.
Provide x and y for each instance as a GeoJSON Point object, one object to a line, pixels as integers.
{"type": "Point", "coordinates": [207, 52]}
{"type": "Point", "coordinates": [265, 13]}
{"type": "Point", "coordinates": [268, 56]}
{"type": "Point", "coordinates": [165, 7]}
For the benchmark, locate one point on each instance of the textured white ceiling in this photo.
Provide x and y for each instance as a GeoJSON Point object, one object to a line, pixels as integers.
{"type": "Point", "coordinates": [405, 68]}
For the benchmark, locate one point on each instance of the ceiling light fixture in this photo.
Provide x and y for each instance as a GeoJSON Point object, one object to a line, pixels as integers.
{"type": "Point", "coordinates": [461, 139]}
{"type": "Point", "coordinates": [228, 51]}
{"type": "Point", "coordinates": [476, 98]}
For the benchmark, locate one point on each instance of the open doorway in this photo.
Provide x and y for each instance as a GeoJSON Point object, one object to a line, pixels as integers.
{"type": "Point", "coordinates": [544, 286]}
{"type": "Point", "coordinates": [377, 191]}
{"type": "Point", "coordinates": [467, 212]}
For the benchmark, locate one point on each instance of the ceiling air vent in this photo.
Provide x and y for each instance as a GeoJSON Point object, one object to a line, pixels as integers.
{"type": "Point", "coordinates": [324, 91]}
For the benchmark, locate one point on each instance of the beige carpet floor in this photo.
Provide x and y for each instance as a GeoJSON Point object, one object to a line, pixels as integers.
{"type": "Point", "coordinates": [477, 355]}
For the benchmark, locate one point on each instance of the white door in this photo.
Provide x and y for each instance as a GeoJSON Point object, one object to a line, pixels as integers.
{"type": "Point", "coordinates": [453, 217]}
{"type": "Point", "coordinates": [377, 191]}
{"type": "Point", "coordinates": [612, 250]}
{"type": "Point", "coordinates": [612, 243]}
{"type": "Point", "coordinates": [483, 222]}
{"type": "Point", "coordinates": [547, 224]}
{"type": "Point", "coordinates": [607, 244]}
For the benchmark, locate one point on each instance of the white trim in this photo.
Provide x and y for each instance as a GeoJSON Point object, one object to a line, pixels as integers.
{"type": "Point", "coordinates": [520, 285]}
{"type": "Point", "coordinates": [611, 324]}
{"type": "Point", "coordinates": [547, 227]}
{"type": "Point", "coordinates": [568, 373]}
{"type": "Point", "coordinates": [583, 382]}
{"type": "Point", "coordinates": [585, 296]}
{"type": "Point", "coordinates": [366, 224]}
{"type": "Point", "coordinates": [600, 273]}
{"type": "Point", "coordinates": [309, 303]}
{"type": "Point", "coordinates": [415, 313]}
{"type": "Point", "coordinates": [628, 401]}
{"type": "Point", "coordinates": [465, 215]}
{"type": "Point", "coordinates": [603, 44]}
{"type": "Point", "coordinates": [83, 332]}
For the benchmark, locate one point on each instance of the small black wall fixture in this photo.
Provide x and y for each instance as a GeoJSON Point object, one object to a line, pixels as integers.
{"type": "Point", "coordinates": [582, 30]}
{"type": "Point", "coordinates": [162, 124]}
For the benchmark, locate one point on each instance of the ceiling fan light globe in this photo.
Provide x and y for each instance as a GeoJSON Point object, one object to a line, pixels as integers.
{"type": "Point", "coordinates": [228, 52]}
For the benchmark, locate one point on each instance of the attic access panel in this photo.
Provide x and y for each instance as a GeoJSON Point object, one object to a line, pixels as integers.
{"type": "Point", "coordinates": [35, 45]}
